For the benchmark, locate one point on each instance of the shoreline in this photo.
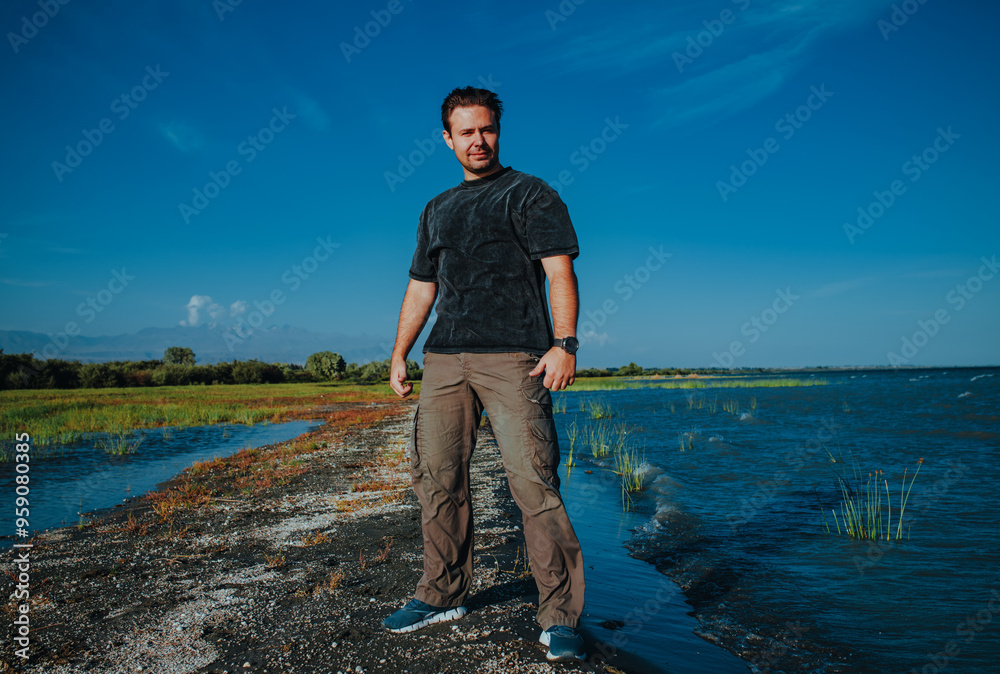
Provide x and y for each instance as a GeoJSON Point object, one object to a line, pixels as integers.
{"type": "Point", "coordinates": [294, 577]}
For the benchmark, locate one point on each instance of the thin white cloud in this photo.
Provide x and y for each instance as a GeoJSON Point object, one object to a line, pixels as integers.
{"type": "Point", "coordinates": [26, 284]}
{"type": "Point", "coordinates": [763, 45]}
{"type": "Point", "coordinates": [182, 136]}
{"type": "Point", "coordinates": [310, 111]}
{"type": "Point", "coordinates": [832, 289]}
{"type": "Point", "coordinates": [237, 308]}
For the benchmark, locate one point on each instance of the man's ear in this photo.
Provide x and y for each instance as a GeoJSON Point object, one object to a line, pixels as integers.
{"type": "Point", "coordinates": [447, 138]}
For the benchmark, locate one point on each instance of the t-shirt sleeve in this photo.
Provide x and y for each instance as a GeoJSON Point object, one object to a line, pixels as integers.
{"type": "Point", "coordinates": [548, 227]}
{"type": "Point", "coordinates": [422, 268]}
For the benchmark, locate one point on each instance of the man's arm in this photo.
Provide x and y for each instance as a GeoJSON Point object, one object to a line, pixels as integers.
{"type": "Point", "coordinates": [417, 304]}
{"type": "Point", "coordinates": [564, 299]}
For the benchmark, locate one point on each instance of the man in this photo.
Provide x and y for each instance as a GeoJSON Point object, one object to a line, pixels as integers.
{"type": "Point", "coordinates": [484, 249]}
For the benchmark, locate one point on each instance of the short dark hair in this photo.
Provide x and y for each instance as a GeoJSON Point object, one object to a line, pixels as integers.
{"type": "Point", "coordinates": [469, 96]}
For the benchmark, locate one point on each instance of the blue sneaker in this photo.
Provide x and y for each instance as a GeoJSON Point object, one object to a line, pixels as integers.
{"type": "Point", "coordinates": [417, 614]}
{"type": "Point", "coordinates": [564, 643]}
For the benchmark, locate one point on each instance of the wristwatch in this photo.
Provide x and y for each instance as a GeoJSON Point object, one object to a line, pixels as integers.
{"type": "Point", "coordinates": [568, 344]}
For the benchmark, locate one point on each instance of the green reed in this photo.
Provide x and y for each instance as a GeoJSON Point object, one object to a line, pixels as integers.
{"type": "Point", "coordinates": [862, 511]}
{"type": "Point", "coordinates": [599, 409]}
{"type": "Point", "coordinates": [572, 433]}
{"type": "Point", "coordinates": [629, 468]}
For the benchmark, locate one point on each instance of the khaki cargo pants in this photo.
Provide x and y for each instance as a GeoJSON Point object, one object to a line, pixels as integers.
{"type": "Point", "coordinates": [454, 391]}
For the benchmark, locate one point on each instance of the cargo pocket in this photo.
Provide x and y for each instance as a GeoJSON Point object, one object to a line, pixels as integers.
{"type": "Point", "coordinates": [544, 448]}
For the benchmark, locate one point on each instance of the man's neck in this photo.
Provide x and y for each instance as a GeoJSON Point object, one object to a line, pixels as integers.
{"type": "Point", "coordinates": [479, 176]}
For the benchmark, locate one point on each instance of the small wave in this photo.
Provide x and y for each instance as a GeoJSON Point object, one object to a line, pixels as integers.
{"type": "Point", "coordinates": [965, 395]}
{"type": "Point", "coordinates": [746, 416]}
{"type": "Point", "coordinates": [980, 376]}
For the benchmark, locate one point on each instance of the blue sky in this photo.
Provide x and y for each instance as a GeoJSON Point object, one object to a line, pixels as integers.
{"type": "Point", "coordinates": [736, 139]}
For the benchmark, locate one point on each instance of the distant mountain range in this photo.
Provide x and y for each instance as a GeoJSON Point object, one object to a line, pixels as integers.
{"type": "Point", "coordinates": [211, 344]}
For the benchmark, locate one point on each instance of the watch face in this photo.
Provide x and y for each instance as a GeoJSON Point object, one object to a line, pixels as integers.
{"type": "Point", "coordinates": [570, 344]}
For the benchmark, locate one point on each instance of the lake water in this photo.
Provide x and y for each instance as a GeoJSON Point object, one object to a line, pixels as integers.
{"type": "Point", "coordinates": [736, 518]}
{"type": "Point", "coordinates": [81, 478]}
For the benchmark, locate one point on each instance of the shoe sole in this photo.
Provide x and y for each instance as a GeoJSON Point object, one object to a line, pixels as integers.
{"type": "Point", "coordinates": [443, 616]}
{"type": "Point", "coordinates": [544, 640]}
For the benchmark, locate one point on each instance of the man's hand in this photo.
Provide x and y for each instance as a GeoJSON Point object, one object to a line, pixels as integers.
{"type": "Point", "coordinates": [559, 368]}
{"type": "Point", "coordinates": [397, 378]}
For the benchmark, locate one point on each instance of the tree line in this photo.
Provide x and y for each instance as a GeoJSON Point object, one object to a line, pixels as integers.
{"type": "Point", "coordinates": [178, 368]}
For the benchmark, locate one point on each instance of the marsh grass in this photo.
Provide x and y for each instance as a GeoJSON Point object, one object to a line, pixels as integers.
{"type": "Point", "coordinates": [605, 439]}
{"type": "Point", "coordinates": [863, 514]}
{"type": "Point", "coordinates": [599, 409]}
{"type": "Point", "coordinates": [629, 463]}
{"type": "Point", "coordinates": [120, 442]}
{"type": "Point", "coordinates": [70, 415]}
{"type": "Point", "coordinates": [572, 432]}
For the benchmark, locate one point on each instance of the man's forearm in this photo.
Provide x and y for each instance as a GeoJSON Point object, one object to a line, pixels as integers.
{"type": "Point", "coordinates": [417, 304]}
{"type": "Point", "coordinates": [565, 300]}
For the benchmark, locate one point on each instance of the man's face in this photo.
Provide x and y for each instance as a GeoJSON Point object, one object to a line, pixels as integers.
{"type": "Point", "coordinates": [475, 139]}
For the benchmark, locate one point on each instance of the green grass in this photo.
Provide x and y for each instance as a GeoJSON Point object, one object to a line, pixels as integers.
{"type": "Point", "coordinates": [863, 514]}
{"type": "Point", "coordinates": [63, 416]}
{"type": "Point", "coordinates": [573, 432]}
{"type": "Point", "coordinates": [598, 409]}
{"type": "Point", "coordinates": [628, 467]}
{"type": "Point", "coordinates": [605, 439]}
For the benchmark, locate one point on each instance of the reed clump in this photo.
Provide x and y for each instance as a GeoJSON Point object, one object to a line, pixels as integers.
{"type": "Point", "coordinates": [863, 515]}
{"type": "Point", "coordinates": [599, 409]}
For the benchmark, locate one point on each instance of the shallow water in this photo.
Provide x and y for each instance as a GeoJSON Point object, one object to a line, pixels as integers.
{"type": "Point", "coordinates": [80, 478]}
{"type": "Point", "coordinates": [737, 517]}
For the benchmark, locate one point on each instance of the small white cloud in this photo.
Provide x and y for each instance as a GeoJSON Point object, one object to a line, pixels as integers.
{"type": "Point", "coordinates": [592, 337]}
{"type": "Point", "coordinates": [199, 303]}
{"type": "Point", "coordinates": [237, 308]}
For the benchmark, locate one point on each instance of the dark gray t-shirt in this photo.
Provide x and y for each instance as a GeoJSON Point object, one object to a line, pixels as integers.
{"type": "Point", "coordinates": [482, 242]}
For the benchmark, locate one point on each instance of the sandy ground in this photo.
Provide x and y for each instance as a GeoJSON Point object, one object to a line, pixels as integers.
{"type": "Point", "coordinates": [292, 577]}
